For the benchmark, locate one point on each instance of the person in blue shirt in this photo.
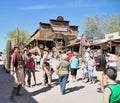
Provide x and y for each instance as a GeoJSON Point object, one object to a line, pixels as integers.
{"type": "Point", "coordinates": [74, 63]}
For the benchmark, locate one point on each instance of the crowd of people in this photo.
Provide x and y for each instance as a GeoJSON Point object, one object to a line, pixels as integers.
{"type": "Point", "coordinates": [67, 62]}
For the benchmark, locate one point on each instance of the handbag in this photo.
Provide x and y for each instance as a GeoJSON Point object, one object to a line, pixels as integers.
{"type": "Point", "coordinates": [57, 69]}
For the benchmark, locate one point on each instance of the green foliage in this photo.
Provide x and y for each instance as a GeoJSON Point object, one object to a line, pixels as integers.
{"type": "Point", "coordinates": [18, 37]}
{"type": "Point", "coordinates": [8, 55]}
{"type": "Point", "coordinates": [114, 24]}
{"type": "Point", "coordinates": [98, 26]}
{"type": "Point", "coordinates": [15, 37]}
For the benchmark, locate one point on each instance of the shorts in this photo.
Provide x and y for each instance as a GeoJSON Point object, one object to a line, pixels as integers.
{"type": "Point", "coordinates": [73, 71]}
{"type": "Point", "coordinates": [32, 70]}
{"type": "Point", "coordinates": [100, 75]}
{"type": "Point", "coordinates": [85, 74]}
{"type": "Point", "coordinates": [38, 63]}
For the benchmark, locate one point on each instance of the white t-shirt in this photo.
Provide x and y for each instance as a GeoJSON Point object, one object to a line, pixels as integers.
{"type": "Point", "coordinates": [112, 61]}
{"type": "Point", "coordinates": [38, 58]}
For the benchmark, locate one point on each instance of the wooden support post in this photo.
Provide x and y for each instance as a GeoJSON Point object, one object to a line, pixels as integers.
{"type": "Point", "coordinates": [80, 50]}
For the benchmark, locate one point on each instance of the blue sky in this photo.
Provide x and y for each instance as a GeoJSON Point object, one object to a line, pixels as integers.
{"type": "Point", "coordinates": [26, 14]}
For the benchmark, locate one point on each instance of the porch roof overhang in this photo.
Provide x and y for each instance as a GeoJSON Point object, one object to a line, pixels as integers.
{"type": "Point", "coordinates": [33, 50]}
{"type": "Point", "coordinates": [74, 44]}
{"type": "Point", "coordinates": [43, 39]}
{"type": "Point", "coordinates": [92, 44]}
{"type": "Point", "coordinates": [38, 39]}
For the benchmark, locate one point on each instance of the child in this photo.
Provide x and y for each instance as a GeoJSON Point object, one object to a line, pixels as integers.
{"type": "Point", "coordinates": [112, 91]}
{"type": "Point", "coordinates": [90, 68]}
{"type": "Point", "coordinates": [84, 71]}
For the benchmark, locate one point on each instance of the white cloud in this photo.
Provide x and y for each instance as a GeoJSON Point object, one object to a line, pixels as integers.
{"type": "Point", "coordinates": [75, 4]}
{"type": "Point", "coordinates": [37, 7]}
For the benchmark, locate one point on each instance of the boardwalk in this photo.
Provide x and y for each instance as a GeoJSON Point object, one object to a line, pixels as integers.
{"type": "Point", "coordinates": [76, 92]}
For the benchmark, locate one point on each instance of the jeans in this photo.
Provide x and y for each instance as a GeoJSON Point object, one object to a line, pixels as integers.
{"type": "Point", "coordinates": [63, 80]}
{"type": "Point", "coordinates": [29, 76]}
{"type": "Point", "coordinates": [90, 74]}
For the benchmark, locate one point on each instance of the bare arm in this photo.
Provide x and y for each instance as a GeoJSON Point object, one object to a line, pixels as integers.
{"type": "Point", "coordinates": [106, 95]}
{"type": "Point", "coordinates": [38, 51]}
{"type": "Point", "coordinates": [95, 63]}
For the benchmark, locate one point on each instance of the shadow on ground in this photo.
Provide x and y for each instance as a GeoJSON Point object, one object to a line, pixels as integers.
{"type": "Point", "coordinates": [6, 84]}
{"type": "Point", "coordinates": [73, 89]}
{"type": "Point", "coordinates": [43, 90]}
{"type": "Point", "coordinates": [55, 82]}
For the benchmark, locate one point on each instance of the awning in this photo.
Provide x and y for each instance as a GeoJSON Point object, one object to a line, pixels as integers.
{"type": "Point", "coordinates": [33, 50]}
{"type": "Point", "coordinates": [42, 39]}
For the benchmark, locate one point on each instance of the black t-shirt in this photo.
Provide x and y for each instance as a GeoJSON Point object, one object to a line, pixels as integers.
{"type": "Point", "coordinates": [102, 62]}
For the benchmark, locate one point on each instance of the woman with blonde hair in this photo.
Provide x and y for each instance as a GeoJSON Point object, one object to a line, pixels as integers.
{"type": "Point", "coordinates": [63, 73]}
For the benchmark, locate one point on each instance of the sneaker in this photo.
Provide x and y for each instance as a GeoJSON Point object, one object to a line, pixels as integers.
{"type": "Point", "coordinates": [87, 81]}
{"type": "Point", "coordinates": [99, 90]}
{"type": "Point", "coordinates": [34, 85]}
{"type": "Point", "coordinates": [91, 82]}
{"type": "Point", "coordinates": [63, 93]}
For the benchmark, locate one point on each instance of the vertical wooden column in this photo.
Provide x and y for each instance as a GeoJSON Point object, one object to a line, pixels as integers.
{"type": "Point", "coordinates": [37, 42]}
{"type": "Point", "coordinates": [80, 49]}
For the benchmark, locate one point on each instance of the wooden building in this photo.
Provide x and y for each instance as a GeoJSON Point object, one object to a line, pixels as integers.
{"type": "Point", "coordinates": [57, 33]}
{"type": "Point", "coordinates": [110, 43]}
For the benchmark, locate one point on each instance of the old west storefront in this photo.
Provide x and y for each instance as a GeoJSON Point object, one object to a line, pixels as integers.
{"type": "Point", "coordinates": [110, 43]}
{"type": "Point", "coordinates": [57, 33]}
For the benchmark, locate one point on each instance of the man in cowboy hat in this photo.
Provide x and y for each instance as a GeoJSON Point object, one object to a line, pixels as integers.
{"type": "Point", "coordinates": [17, 72]}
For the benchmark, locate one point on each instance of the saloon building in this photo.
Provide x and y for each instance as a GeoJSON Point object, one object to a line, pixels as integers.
{"type": "Point", "coordinates": [57, 33]}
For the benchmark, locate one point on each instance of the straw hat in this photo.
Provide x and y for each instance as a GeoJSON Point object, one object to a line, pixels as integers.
{"type": "Point", "coordinates": [64, 56]}
{"type": "Point", "coordinates": [16, 46]}
{"type": "Point", "coordinates": [24, 49]}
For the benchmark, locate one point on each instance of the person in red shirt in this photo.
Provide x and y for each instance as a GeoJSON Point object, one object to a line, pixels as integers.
{"type": "Point", "coordinates": [69, 55]}
{"type": "Point", "coordinates": [31, 69]}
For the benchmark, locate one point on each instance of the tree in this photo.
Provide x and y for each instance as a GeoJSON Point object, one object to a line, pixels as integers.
{"type": "Point", "coordinates": [18, 37]}
{"type": "Point", "coordinates": [91, 27]}
{"type": "Point", "coordinates": [114, 24]}
{"type": "Point", "coordinates": [98, 26]}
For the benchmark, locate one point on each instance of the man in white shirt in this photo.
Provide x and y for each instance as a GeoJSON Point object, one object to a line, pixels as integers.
{"type": "Point", "coordinates": [38, 61]}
